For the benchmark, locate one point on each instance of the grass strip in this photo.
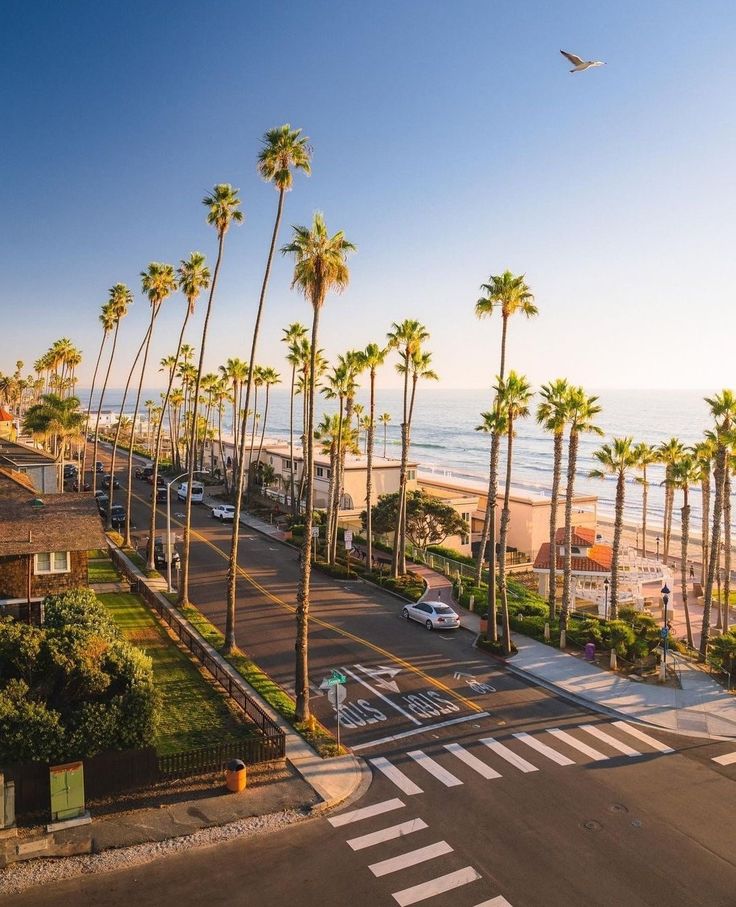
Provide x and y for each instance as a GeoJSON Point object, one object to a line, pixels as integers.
{"type": "Point", "coordinates": [102, 570]}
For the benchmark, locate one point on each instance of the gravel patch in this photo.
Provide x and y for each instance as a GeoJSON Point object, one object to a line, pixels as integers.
{"type": "Point", "coordinates": [20, 876]}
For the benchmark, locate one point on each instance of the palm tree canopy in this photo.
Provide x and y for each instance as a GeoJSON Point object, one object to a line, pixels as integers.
{"type": "Point", "coordinates": [494, 422]}
{"type": "Point", "coordinates": [107, 317]}
{"type": "Point", "coordinates": [506, 291]}
{"type": "Point", "coordinates": [194, 276]}
{"type": "Point", "coordinates": [120, 299]}
{"type": "Point", "coordinates": [320, 260]}
{"type": "Point", "coordinates": [407, 337]}
{"type": "Point", "coordinates": [224, 208]}
{"type": "Point", "coordinates": [514, 395]}
{"type": "Point", "coordinates": [374, 356]}
{"type": "Point", "coordinates": [686, 472]}
{"type": "Point", "coordinates": [553, 410]}
{"type": "Point", "coordinates": [293, 333]}
{"type": "Point", "coordinates": [583, 411]}
{"type": "Point", "coordinates": [284, 148]}
{"type": "Point", "coordinates": [158, 282]}
{"type": "Point", "coordinates": [615, 458]}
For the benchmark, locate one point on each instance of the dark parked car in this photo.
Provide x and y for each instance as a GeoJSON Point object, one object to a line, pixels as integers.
{"type": "Point", "coordinates": [107, 479]}
{"type": "Point", "coordinates": [99, 466]}
{"type": "Point", "coordinates": [161, 495]}
{"type": "Point", "coordinates": [159, 555]}
{"type": "Point", "coordinates": [144, 472]}
{"type": "Point", "coordinates": [70, 471]}
{"type": "Point", "coordinates": [102, 501]}
{"type": "Point", "coordinates": [160, 482]}
{"type": "Point", "coordinates": [118, 516]}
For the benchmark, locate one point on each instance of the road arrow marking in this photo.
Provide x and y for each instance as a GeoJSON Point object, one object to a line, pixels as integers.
{"type": "Point", "coordinates": [461, 675]}
{"type": "Point", "coordinates": [377, 676]}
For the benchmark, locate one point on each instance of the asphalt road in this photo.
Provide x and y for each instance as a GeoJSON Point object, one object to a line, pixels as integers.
{"type": "Point", "coordinates": [486, 791]}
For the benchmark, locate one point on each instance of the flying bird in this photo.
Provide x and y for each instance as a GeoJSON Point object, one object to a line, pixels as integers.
{"type": "Point", "coordinates": [579, 64]}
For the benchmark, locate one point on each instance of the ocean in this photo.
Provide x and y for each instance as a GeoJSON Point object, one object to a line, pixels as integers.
{"type": "Point", "coordinates": [444, 438]}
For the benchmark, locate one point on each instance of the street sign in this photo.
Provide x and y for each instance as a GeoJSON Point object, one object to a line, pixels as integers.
{"type": "Point", "coordinates": [337, 677]}
{"type": "Point", "coordinates": [315, 532]}
{"type": "Point", "coordinates": [336, 695]}
{"type": "Point", "coordinates": [664, 632]}
{"type": "Point", "coordinates": [334, 684]}
{"type": "Point", "coordinates": [348, 540]}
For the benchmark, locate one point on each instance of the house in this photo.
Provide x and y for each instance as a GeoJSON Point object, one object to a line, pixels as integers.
{"type": "Point", "coordinates": [7, 425]}
{"type": "Point", "coordinates": [41, 468]}
{"type": "Point", "coordinates": [44, 540]}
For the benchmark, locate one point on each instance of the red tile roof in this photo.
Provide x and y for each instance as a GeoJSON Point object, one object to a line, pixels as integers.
{"type": "Point", "coordinates": [5, 416]}
{"type": "Point", "coordinates": [581, 536]}
{"type": "Point", "coordinates": [598, 560]}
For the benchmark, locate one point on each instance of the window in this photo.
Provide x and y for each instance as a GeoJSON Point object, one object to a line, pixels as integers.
{"type": "Point", "coordinates": [52, 562]}
{"type": "Point", "coordinates": [322, 472]}
{"type": "Point", "coordinates": [286, 465]}
{"type": "Point", "coordinates": [411, 474]}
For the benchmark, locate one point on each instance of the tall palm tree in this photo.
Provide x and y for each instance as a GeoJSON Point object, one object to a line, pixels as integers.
{"type": "Point", "coordinates": [494, 423]}
{"type": "Point", "coordinates": [646, 455]}
{"type": "Point", "coordinates": [284, 151]}
{"type": "Point", "coordinates": [158, 282]}
{"type": "Point", "coordinates": [514, 395]}
{"type": "Point", "coordinates": [406, 338]}
{"type": "Point", "coordinates": [670, 453]}
{"type": "Point", "coordinates": [292, 336]}
{"type": "Point", "coordinates": [583, 411]}
{"type": "Point", "coordinates": [704, 453]}
{"type": "Point", "coordinates": [686, 472]}
{"type": "Point", "coordinates": [235, 372]}
{"type": "Point", "coordinates": [256, 381]}
{"type": "Point", "coordinates": [616, 459]}
{"type": "Point", "coordinates": [320, 266]}
{"type": "Point", "coordinates": [193, 276]}
{"type": "Point", "coordinates": [723, 610]}
{"type": "Point", "coordinates": [56, 421]}
{"type": "Point", "coordinates": [384, 419]}
{"type": "Point", "coordinates": [510, 294]}
{"type": "Point", "coordinates": [723, 410]}
{"type": "Point", "coordinates": [119, 300]}
{"type": "Point", "coordinates": [373, 356]}
{"type": "Point", "coordinates": [353, 364]}
{"type": "Point", "coordinates": [552, 415]}
{"type": "Point", "coordinates": [223, 210]}
{"type": "Point", "coordinates": [107, 320]}
{"type": "Point", "coordinates": [270, 377]}
{"type": "Point", "coordinates": [176, 402]}
{"type": "Point", "coordinates": [335, 388]}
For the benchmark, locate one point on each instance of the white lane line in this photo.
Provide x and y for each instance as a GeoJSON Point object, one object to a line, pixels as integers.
{"type": "Point", "coordinates": [611, 741]}
{"type": "Point", "coordinates": [727, 759]}
{"type": "Point", "coordinates": [544, 749]}
{"type": "Point", "coordinates": [357, 815]}
{"type": "Point", "coordinates": [431, 852]}
{"type": "Point", "coordinates": [645, 738]}
{"type": "Point", "coordinates": [577, 744]}
{"type": "Point", "coordinates": [435, 886]}
{"type": "Point", "coordinates": [387, 834]}
{"type": "Point", "coordinates": [380, 695]}
{"type": "Point", "coordinates": [495, 902]}
{"type": "Point", "coordinates": [434, 768]}
{"type": "Point", "coordinates": [472, 761]}
{"type": "Point", "coordinates": [422, 730]}
{"type": "Point", "coordinates": [509, 755]}
{"type": "Point", "coordinates": [396, 775]}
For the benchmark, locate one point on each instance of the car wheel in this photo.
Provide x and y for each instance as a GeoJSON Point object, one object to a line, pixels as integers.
{"type": "Point", "coordinates": [222, 518]}
{"type": "Point", "coordinates": [428, 625]}
{"type": "Point", "coordinates": [405, 613]}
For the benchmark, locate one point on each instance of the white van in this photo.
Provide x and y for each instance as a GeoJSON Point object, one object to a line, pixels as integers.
{"type": "Point", "coordinates": [197, 492]}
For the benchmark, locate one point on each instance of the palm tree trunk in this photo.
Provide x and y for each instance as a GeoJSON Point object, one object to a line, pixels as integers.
{"type": "Point", "coordinates": [369, 474]}
{"type": "Point", "coordinates": [705, 531]}
{"type": "Point", "coordinates": [234, 539]}
{"type": "Point", "coordinates": [157, 445]}
{"type": "Point", "coordinates": [572, 456]}
{"type": "Point", "coordinates": [715, 545]}
{"type": "Point", "coordinates": [129, 491]}
{"type": "Point", "coordinates": [685, 525]}
{"type": "Point", "coordinates": [618, 526]}
{"type": "Point", "coordinates": [395, 555]}
{"type": "Point", "coordinates": [184, 583]}
{"type": "Point", "coordinates": [491, 517]}
{"type": "Point", "coordinates": [644, 497]}
{"type": "Point", "coordinates": [302, 477]}
{"type": "Point", "coordinates": [89, 410]}
{"type": "Point", "coordinates": [251, 464]}
{"type": "Point", "coordinates": [339, 485]}
{"type": "Point", "coordinates": [99, 406]}
{"type": "Point", "coordinates": [291, 441]}
{"type": "Point", "coordinates": [556, 473]}
{"type": "Point", "coordinates": [222, 449]}
{"type": "Point", "coordinates": [505, 515]}
{"type": "Point", "coordinates": [726, 603]}
{"type": "Point", "coordinates": [385, 430]}
{"type": "Point", "coordinates": [301, 672]}
{"type": "Point", "coordinates": [263, 427]}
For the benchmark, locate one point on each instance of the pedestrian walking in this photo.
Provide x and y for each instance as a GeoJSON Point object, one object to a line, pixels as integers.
{"type": "Point", "coordinates": [692, 572]}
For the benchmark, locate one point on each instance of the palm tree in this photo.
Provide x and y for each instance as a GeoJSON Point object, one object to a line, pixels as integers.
{"type": "Point", "coordinates": [686, 472]}
{"type": "Point", "coordinates": [583, 410]}
{"type": "Point", "coordinates": [193, 276]}
{"type": "Point", "coordinates": [107, 320]}
{"type": "Point", "coordinates": [494, 422]}
{"type": "Point", "coordinates": [269, 377]}
{"type": "Point", "coordinates": [353, 364]}
{"type": "Point", "coordinates": [235, 372]}
{"type": "Point", "coordinates": [176, 402]}
{"type": "Point", "coordinates": [704, 453]}
{"type": "Point", "coordinates": [374, 356]}
{"type": "Point", "coordinates": [725, 603]}
{"type": "Point", "coordinates": [646, 455]}
{"type": "Point", "coordinates": [120, 299]}
{"type": "Point", "coordinates": [335, 388]}
{"type": "Point", "coordinates": [320, 266]}
{"type": "Point", "coordinates": [552, 415]}
{"type": "Point", "coordinates": [514, 395]}
{"type": "Point", "coordinates": [148, 405]}
{"type": "Point", "coordinates": [384, 419]}
{"type": "Point", "coordinates": [223, 209]}
{"type": "Point", "coordinates": [407, 338]}
{"type": "Point", "coordinates": [510, 294]}
{"type": "Point", "coordinates": [670, 453]}
{"type": "Point", "coordinates": [256, 381]}
{"type": "Point", "coordinates": [616, 459]}
{"type": "Point", "coordinates": [158, 282]}
{"type": "Point", "coordinates": [292, 336]}
{"type": "Point", "coordinates": [56, 421]}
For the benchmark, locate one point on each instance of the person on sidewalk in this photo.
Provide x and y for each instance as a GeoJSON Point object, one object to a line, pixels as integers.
{"type": "Point", "coordinates": [692, 573]}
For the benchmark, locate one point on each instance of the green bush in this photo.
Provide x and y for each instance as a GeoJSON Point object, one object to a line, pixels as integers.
{"type": "Point", "coordinates": [336, 570]}
{"type": "Point", "coordinates": [451, 554]}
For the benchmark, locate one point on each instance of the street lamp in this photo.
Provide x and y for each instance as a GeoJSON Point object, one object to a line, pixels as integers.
{"type": "Point", "coordinates": [657, 547]}
{"type": "Point", "coordinates": [665, 633]}
{"type": "Point", "coordinates": [168, 522]}
{"type": "Point", "coordinates": [606, 584]}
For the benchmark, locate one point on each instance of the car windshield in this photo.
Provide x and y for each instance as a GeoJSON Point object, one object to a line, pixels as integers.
{"type": "Point", "coordinates": [442, 609]}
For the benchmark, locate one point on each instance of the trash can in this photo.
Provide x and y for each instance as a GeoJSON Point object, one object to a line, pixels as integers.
{"type": "Point", "coordinates": [484, 624]}
{"type": "Point", "coordinates": [235, 776]}
{"type": "Point", "coordinates": [589, 653]}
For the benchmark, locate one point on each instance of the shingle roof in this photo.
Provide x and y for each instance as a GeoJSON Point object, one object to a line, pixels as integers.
{"type": "Point", "coordinates": [65, 522]}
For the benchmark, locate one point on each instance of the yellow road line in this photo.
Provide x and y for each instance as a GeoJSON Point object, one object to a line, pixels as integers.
{"type": "Point", "coordinates": [468, 703]}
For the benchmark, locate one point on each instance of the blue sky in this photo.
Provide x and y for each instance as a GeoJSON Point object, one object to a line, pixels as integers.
{"type": "Point", "coordinates": [450, 142]}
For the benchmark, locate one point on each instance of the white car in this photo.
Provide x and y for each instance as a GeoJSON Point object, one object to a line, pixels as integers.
{"type": "Point", "coordinates": [434, 615]}
{"type": "Point", "coordinates": [223, 512]}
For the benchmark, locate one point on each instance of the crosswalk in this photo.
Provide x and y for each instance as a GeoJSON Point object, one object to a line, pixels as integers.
{"type": "Point", "coordinates": [423, 855]}
{"type": "Point", "coordinates": [572, 746]}
{"type": "Point", "coordinates": [726, 759]}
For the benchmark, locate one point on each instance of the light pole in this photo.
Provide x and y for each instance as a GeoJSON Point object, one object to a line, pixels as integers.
{"type": "Point", "coordinates": [606, 584]}
{"type": "Point", "coordinates": [665, 633]}
{"type": "Point", "coordinates": [657, 547]}
{"type": "Point", "coordinates": [168, 523]}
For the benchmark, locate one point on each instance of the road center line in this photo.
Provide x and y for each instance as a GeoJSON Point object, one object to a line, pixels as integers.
{"type": "Point", "coordinates": [375, 692]}
{"type": "Point", "coordinates": [420, 730]}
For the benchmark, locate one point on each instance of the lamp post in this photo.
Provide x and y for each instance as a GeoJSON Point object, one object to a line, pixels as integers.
{"type": "Point", "coordinates": [637, 541]}
{"type": "Point", "coordinates": [665, 634]}
{"type": "Point", "coordinates": [606, 584]}
{"type": "Point", "coordinates": [168, 523]}
{"type": "Point", "coordinates": [657, 547]}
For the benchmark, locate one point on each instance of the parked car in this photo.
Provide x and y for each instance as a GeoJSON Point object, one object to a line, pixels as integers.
{"type": "Point", "coordinates": [144, 472]}
{"type": "Point", "coordinates": [118, 516]}
{"type": "Point", "coordinates": [160, 482]}
{"type": "Point", "coordinates": [223, 512]}
{"type": "Point", "coordinates": [102, 501]}
{"type": "Point", "coordinates": [108, 479]}
{"type": "Point", "coordinates": [159, 555]}
{"type": "Point", "coordinates": [434, 615]}
{"type": "Point", "coordinates": [160, 495]}
{"type": "Point", "coordinates": [70, 471]}
{"type": "Point", "coordinates": [99, 466]}
{"type": "Point", "coordinates": [197, 492]}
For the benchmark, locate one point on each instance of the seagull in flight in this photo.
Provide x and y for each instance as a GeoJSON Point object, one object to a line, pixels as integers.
{"type": "Point", "coordinates": [579, 64]}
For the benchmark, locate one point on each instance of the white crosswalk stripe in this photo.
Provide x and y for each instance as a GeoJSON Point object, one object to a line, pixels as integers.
{"type": "Point", "coordinates": [387, 834]}
{"type": "Point", "coordinates": [509, 755]}
{"type": "Point", "coordinates": [404, 860]}
{"type": "Point", "coordinates": [611, 741]}
{"type": "Point", "coordinates": [394, 774]}
{"type": "Point", "coordinates": [545, 750]}
{"type": "Point", "coordinates": [436, 886]}
{"type": "Point", "coordinates": [434, 768]}
{"type": "Point", "coordinates": [645, 738]}
{"type": "Point", "coordinates": [357, 815]}
{"type": "Point", "coordinates": [577, 744]}
{"type": "Point", "coordinates": [472, 761]}
{"type": "Point", "coordinates": [726, 759]}
{"type": "Point", "coordinates": [495, 902]}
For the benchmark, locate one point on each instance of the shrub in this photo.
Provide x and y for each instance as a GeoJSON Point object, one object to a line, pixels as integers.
{"type": "Point", "coordinates": [336, 570]}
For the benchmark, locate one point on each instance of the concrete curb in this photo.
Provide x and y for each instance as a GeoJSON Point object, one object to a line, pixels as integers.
{"type": "Point", "coordinates": [363, 778]}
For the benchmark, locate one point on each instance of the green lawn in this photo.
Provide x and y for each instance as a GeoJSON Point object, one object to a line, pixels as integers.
{"type": "Point", "coordinates": [101, 570]}
{"type": "Point", "coordinates": [192, 712]}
